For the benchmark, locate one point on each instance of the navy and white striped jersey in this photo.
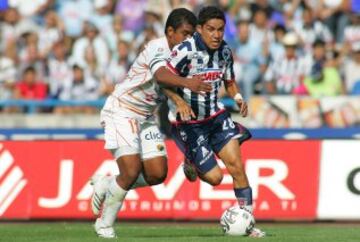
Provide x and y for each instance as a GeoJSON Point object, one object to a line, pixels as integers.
{"type": "Point", "coordinates": [191, 58]}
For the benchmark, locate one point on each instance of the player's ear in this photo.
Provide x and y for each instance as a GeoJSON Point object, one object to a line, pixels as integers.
{"type": "Point", "coordinates": [198, 28]}
{"type": "Point", "coordinates": [170, 31]}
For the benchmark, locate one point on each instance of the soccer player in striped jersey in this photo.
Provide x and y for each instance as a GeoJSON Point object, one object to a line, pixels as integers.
{"type": "Point", "coordinates": [131, 133]}
{"type": "Point", "coordinates": [211, 130]}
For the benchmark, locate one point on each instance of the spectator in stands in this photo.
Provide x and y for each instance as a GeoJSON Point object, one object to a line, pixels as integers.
{"type": "Point", "coordinates": [286, 73]}
{"type": "Point", "coordinates": [154, 18]}
{"type": "Point", "coordinates": [80, 86]}
{"type": "Point", "coordinates": [259, 29]}
{"type": "Point", "coordinates": [91, 38]}
{"type": "Point", "coordinates": [319, 52]}
{"type": "Point", "coordinates": [29, 55]}
{"type": "Point", "coordinates": [240, 11]}
{"type": "Point", "coordinates": [102, 17]}
{"type": "Point", "coordinates": [118, 68]}
{"type": "Point", "coordinates": [311, 29]}
{"type": "Point", "coordinates": [117, 33]}
{"type": "Point", "coordinates": [30, 8]}
{"type": "Point", "coordinates": [11, 30]}
{"type": "Point", "coordinates": [352, 71]}
{"type": "Point", "coordinates": [132, 13]}
{"type": "Point", "coordinates": [263, 5]}
{"type": "Point", "coordinates": [92, 65]}
{"type": "Point", "coordinates": [30, 87]}
{"type": "Point", "coordinates": [7, 77]}
{"type": "Point", "coordinates": [333, 14]}
{"type": "Point", "coordinates": [275, 49]}
{"type": "Point", "coordinates": [352, 31]}
{"type": "Point", "coordinates": [51, 33]}
{"type": "Point", "coordinates": [323, 81]}
{"type": "Point", "coordinates": [148, 34]}
{"type": "Point", "coordinates": [59, 69]}
{"type": "Point", "coordinates": [249, 59]}
{"type": "Point", "coordinates": [74, 13]}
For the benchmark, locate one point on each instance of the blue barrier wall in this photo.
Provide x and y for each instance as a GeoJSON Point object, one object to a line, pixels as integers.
{"type": "Point", "coordinates": [321, 133]}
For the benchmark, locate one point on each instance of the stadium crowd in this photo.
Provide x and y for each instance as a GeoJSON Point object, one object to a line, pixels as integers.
{"type": "Point", "coordinates": [79, 49]}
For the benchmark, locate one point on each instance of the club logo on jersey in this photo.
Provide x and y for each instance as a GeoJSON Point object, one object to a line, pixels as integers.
{"type": "Point", "coordinates": [221, 64]}
{"type": "Point", "coordinates": [160, 147]}
{"type": "Point", "coordinates": [183, 136]}
{"type": "Point", "coordinates": [173, 54]}
{"type": "Point", "coordinates": [194, 55]}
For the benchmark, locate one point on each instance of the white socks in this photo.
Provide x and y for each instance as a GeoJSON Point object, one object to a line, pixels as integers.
{"type": "Point", "coordinates": [115, 196]}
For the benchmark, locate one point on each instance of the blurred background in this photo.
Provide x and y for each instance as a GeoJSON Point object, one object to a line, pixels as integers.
{"type": "Point", "coordinates": [297, 63]}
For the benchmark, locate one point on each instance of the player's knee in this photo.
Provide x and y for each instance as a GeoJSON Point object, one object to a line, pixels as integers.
{"type": "Point", "coordinates": [215, 179]}
{"type": "Point", "coordinates": [155, 179]}
{"type": "Point", "coordinates": [130, 175]}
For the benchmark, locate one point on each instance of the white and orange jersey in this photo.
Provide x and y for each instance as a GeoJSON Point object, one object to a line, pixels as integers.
{"type": "Point", "coordinates": [139, 94]}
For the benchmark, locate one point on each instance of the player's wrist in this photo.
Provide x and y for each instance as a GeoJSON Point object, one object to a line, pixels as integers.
{"type": "Point", "coordinates": [238, 97]}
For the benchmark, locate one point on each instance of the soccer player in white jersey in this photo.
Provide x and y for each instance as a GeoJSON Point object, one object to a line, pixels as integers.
{"type": "Point", "coordinates": [211, 130]}
{"type": "Point", "coordinates": [131, 133]}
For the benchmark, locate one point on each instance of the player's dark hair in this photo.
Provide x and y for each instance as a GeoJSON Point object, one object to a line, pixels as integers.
{"type": "Point", "coordinates": [210, 12]}
{"type": "Point", "coordinates": [178, 17]}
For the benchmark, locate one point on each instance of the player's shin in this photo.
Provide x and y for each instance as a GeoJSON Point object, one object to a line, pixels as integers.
{"type": "Point", "coordinates": [244, 197]}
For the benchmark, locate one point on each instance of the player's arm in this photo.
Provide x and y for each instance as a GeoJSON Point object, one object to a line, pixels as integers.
{"type": "Point", "coordinates": [156, 59]}
{"type": "Point", "coordinates": [177, 65]}
{"type": "Point", "coordinates": [182, 108]}
{"type": "Point", "coordinates": [195, 83]}
{"type": "Point", "coordinates": [232, 88]}
{"type": "Point", "coordinates": [233, 92]}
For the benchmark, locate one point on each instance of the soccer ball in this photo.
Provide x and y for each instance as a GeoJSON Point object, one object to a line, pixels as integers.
{"type": "Point", "coordinates": [237, 221]}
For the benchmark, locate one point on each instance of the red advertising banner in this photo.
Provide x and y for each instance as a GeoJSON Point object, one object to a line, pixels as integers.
{"type": "Point", "coordinates": [49, 179]}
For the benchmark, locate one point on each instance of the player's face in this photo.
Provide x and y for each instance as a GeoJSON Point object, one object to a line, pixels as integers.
{"type": "Point", "coordinates": [212, 33]}
{"type": "Point", "coordinates": [180, 34]}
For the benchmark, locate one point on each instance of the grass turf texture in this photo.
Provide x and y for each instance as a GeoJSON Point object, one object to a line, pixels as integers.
{"type": "Point", "coordinates": [147, 232]}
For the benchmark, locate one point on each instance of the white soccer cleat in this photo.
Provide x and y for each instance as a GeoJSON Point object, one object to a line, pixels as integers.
{"type": "Point", "coordinates": [100, 183]}
{"type": "Point", "coordinates": [104, 232]}
{"type": "Point", "coordinates": [256, 233]}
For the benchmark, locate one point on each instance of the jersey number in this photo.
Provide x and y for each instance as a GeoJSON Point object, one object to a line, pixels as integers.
{"type": "Point", "coordinates": [228, 123]}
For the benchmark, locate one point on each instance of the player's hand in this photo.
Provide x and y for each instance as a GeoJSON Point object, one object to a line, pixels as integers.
{"type": "Point", "coordinates": [243, 107]}
{"type": "Point", "coordinates": [184, 110]}
{"type": "Point", "coordinates": [196, 84]}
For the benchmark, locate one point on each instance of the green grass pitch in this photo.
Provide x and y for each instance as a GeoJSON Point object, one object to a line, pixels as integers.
{"type": "Point", "coordinates": [187, 232]}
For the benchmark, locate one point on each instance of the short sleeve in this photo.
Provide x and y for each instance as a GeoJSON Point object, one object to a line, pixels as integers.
{"type": "Point", "coordinates": [229, 75]}
{"type": "Point", "coordinates": [178, 62]}
{"type": "Point", "coordinates": [156, 56]}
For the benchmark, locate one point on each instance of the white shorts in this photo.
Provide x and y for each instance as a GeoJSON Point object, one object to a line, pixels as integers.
{"type": "Point", "coordinates": [128, 136]}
